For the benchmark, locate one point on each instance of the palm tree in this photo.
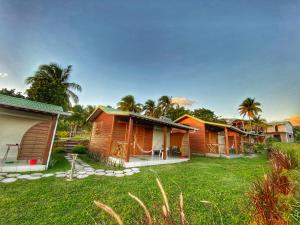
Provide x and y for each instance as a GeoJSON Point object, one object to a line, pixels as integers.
{"type": "Point", "coordinates": [128, 103]}
{"type": "Point", "coordinates": [165, 103]}
{"type": "Point", "coordinates": [52, 79]}
{"type": "Point", "coordinates": [149, 108]}
{"type": "Point", "coordinates": [250, 108]}
{"type": "Point", "coordinates": [259, 123]}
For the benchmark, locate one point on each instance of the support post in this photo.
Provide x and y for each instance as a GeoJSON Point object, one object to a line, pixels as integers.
{"type": "Point", "coordinates": [165, 144]}
{"type": "Point", "coordinates": [235, 144]}
{"type": "Point", "coordinates": [129, 139]}
{"type": "Point", "coordinates": [50, 141]}
{"type": "Point", "coordinates": [188, 140]}
{"type": "Point", "coordinates": [226, 141]}
{"type": "Point", "coordinates": [242, 143]}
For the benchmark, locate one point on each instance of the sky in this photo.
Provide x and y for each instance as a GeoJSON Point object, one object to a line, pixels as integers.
{"type": "Point", "coordinates": [214, 53]}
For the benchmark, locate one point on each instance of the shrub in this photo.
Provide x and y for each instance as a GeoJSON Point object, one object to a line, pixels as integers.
{"type": "Point", "coordinates": [58, 150]}
{"type": "Point", "coordinates": [62, 134]}
{"type": "Point", "coordinates": [273, 196]}
{"type": "Point", "coordinates": [79, 149]}
{"type": "Point", "coordinates": [290, 149]}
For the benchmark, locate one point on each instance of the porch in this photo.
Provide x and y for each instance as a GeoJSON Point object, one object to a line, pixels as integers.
{"type": "Point", "coordinates": [223, 141]}
{"type": "Point", "coordinates": [147, 160]}
{"type": "Point", "coordinates": [13, 165]}
{"type": "Point", "coordinates": [141, 141]}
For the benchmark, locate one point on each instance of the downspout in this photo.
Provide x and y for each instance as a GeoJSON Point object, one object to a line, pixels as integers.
{"type": "Point", "coordinates": [53, 136]}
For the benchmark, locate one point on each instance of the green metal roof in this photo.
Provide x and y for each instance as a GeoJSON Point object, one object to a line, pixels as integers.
{"type": "Point", "coordinates": [30, 105]}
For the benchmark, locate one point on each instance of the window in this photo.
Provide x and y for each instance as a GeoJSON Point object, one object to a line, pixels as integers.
{"type": "Point", "coordinates": [276, 128]}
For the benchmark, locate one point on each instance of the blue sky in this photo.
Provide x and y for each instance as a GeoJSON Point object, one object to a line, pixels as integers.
{"type": "Point", "coordinates": [213, 52]}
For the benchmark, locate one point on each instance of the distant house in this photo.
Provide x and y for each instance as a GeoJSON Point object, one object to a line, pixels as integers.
{"type": "Point", "coordinates": [281, 130]}
{"type": "Point", "coordinates": [136, 140]}
{"type": "Point", "coordinates": [214, 138]}
{"type": "Point", "coordinates": [27, 131]}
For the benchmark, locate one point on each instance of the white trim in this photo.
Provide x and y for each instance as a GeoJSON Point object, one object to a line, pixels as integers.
{"type": "Point", "coordinates": [53, 136]}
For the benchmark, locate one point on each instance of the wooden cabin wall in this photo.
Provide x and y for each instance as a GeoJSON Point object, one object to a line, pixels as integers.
{"type": "Point", "coordinates": [185, 145]}
{"type": "Point", "coordinates": [176, 139]}
{"type": "Point", "coordinates": [101, 134]}
{"type": "Point", "coordinates": [35, 142]}
{"type": "Point", "coordinates": [211, 137]}
{"type": "Point", "coordinates": [143, 135]}
{"type": "Point", "coordinates": [197, 138]}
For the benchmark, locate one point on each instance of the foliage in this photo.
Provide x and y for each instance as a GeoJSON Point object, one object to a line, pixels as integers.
{"type": "Point", "coordinates": [128, 103]}
{"type": "Point", "coordinates": [291, 149]}
{"type": "Point", "coordinates": [297, 133]}
{"type": "Point", "coordinates": [12, 92]}
{"type": "Point", "coordinates": [62, 134]}
{"type": "Point", "coordinates": [207, 115]}
{"type": "Point", "coordinates": [165, 107]}
{"type": "Point", "coordinates": [165, 103]}
{"type": "Point", "coordinates": [58, 150]}
{"type": "Point", "coordinates": [79, 149]}
{"type": "Point", "coordinates": [69, 126]}
{"type": "Point", "coordinates": [273, 195]}
{"type": "Point", "coordinates": [59, 163]}
{"type": "Point", "coordinates": [50, 84]}
{"type": "Point", "coordinates": [249, 107]}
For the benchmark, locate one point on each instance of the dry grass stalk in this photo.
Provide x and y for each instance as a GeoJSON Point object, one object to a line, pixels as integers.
{"type": "Point", "coordinates": [166, 213]}
{"type": "Point", "coordinates": [149, 219]}
{"type": "Point", "coordinates": [110, 211]}
{"type": "Point", "coordinates": [164, 195]}
{"type": "Point", "coordinates": [182, 215]}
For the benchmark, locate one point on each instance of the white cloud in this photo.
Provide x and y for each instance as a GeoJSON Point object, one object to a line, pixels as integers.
{"type": "Point", "coordinates": [3, 75]}
{"type": "Point", "coordinates": [182, 101]}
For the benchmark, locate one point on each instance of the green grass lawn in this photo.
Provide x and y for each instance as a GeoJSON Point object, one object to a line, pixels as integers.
{"type": "Point", "coordinates": [56, 201]}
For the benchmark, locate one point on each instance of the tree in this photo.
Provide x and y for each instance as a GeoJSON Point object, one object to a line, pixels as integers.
{"type": "Point", "coordinates": [50, 84]}
{"type": "Point", "coordinates": [176, 112]}
{"type": "Point", "coordinates": [165, 103]}
{"type": "Point", "coordinates": [128, 103]}
{"type": "Point", "coordinates": [12, 92]}
{"type": "Point", "coordinates": [259, 123]}
{"type": "Point", "coordinates": [149, 108]}
{"type": "Point", "coordinates": [206, 114]}
{"type": "Point", "coordinates": [77, 121]}
{"type": "Point", "coordinates": [250, 108]}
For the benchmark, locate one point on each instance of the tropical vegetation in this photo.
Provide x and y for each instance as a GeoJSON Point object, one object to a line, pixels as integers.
{"type": "Point", "coordinates": [51, 84]}
{"type": "Point", "coordinates": [250, 108]}
{"type": "Point", "coordinates": [12, 92]}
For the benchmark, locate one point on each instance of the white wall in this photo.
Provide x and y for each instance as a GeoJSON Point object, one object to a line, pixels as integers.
{"type": "Point", "coordinates": [13, 125]}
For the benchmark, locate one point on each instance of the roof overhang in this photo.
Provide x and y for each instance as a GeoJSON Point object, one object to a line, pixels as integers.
{"type": "Point", "coordinates": [210, 123]}
{"type": "Point", "coordinates": [9, 106]}
{"type": "Point", "coordinates": [152, 120]}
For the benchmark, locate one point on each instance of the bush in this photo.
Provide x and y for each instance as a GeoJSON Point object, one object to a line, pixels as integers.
{"type": "Point", "coordinates": [62, 134]}
{"type": "Point", "coordinates": [259, 147]}
{"type": "Point", "coordinates": [58, 150]}
{"type": "Point", "coordinates": [79, 149]}
{"type": "Point", "coordinates": [291, 149]}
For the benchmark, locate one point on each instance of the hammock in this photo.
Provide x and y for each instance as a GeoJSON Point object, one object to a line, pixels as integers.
{"type": "Point", "coordinates": [140, 148]}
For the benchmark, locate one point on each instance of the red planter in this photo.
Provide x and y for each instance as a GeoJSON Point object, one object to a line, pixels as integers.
{"type": "Point", "coordinates": [33, 161]}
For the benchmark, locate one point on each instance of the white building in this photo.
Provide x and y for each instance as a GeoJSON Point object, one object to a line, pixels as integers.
{"type": "Point", "coordinates": [281, 130]}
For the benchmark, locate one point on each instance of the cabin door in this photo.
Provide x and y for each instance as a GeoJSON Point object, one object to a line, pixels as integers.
{"type": "Point", "coordinates": [158, 138]}
{"type": "Point", "coordinates": [221, 142]}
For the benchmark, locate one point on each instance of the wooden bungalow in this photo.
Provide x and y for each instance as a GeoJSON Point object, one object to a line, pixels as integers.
{"type": "Point", "coordinates": [26, 134]}
{"type": "Point", "coordinates": [136, 140]}
{"type": "Point", "coordinates": [213, 138]}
